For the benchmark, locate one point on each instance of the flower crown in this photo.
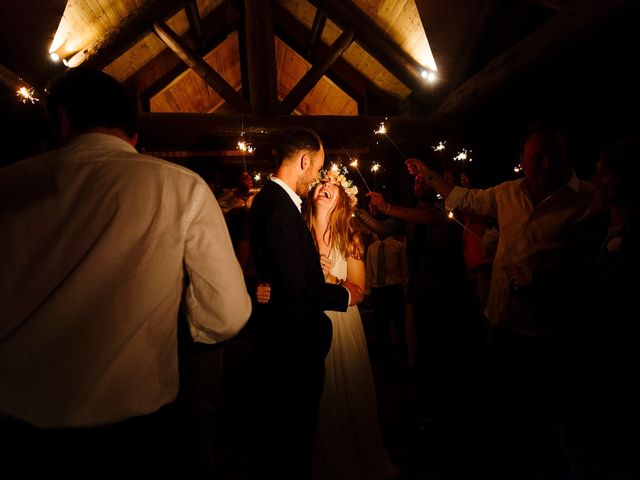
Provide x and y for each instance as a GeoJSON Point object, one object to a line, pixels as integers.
{"type": "Point", "coordinates": [338, 175]}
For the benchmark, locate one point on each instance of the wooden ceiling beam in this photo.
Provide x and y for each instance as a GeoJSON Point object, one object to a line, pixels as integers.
{"type": "Point", "coordinates": [356, 85]}
{"type": "Point", "coordinates": [374, 40]}
{"type": "Point", "coordinates": [132, 29]}
{"type": "Point", "coordinates": [564, 30]}
{"type": "Point", "coordinates": [202, 68]}
{"type": "Point", "coordinates": [261, 56]}
{"type": "Point", "coordinates": [319, 21]}
{"type": "Point", "coordinates": [314, 74]}
{"type": "Point", "coordinates": [195, 25]}
{"type": "Point", "coordinates": [165, 67]}
{"type": "Point", "coordinates": [192, 131]}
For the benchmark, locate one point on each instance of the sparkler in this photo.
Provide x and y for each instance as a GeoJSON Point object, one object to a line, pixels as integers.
{"type": "Point", "coordinates": [27, 95]}
{"type": "Point", "coordinates": [374, 168]}
{"type": "Point", "coordinates": [451, 216]}
{"type": "Point", "coordinates": [244, 146]}
{"type": "Point", "coordinates": [463, 156]}
{"type": "Point", "coordinates": [382, 130]}
{"type": "Point", "coordinates": [439, 147]}
{"type": "Point", "coordinates": [354, 163]}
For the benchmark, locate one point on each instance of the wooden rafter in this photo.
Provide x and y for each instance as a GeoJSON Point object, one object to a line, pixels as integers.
{"type": "Point", "coordinates": [132, 30]}
{"type": "Point", "coordinates": [319, 22]}
{"type": "Point", "coordinates": [195, 26]}
{"type": "Point", "coordinates": [341, 72]}
{"type": "Point", "coordinates": [373, 39]}
{"type": "Point", "coordinates": [260, 50]}
{"type": "Point", "coordinates": [160, 71]}
{"type": "Point", "coordinates": [181, 131]}
{"type": "Point", "coordinates": [202, 68]}
{"type": "Point", "coordinates": [314, 74]}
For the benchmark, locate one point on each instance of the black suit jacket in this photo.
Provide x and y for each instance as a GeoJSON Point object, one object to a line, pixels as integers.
{"type": "Point", "coordinates": [286, 257]}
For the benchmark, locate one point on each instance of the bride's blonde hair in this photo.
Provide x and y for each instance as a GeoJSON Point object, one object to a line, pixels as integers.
{"type": "Point", "coordinates": [340, 227]}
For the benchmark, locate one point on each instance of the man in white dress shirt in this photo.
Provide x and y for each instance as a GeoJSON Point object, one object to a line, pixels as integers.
{"type": "Point", "coordinates": [100, 246]}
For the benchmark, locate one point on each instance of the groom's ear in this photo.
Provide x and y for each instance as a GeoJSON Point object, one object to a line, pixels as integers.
{"type": "Point", "coordinates": [305, 160]}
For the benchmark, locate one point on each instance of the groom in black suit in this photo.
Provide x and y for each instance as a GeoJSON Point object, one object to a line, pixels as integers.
{"type": "Point", "coordinates": [292, 333]}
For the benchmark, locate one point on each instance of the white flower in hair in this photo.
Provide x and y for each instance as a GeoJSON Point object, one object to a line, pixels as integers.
{"type": "Point", "coordinates": [347, 185]}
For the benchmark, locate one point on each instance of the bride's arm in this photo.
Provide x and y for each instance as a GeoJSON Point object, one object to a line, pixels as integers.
{"type": "Point", "coordinates": [355, 271]}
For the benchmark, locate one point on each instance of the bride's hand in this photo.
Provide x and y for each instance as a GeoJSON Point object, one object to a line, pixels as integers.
{"type": "Point", "coordinates": [325, 263]}
{"type": "Point", "coordinates": [263, 292]}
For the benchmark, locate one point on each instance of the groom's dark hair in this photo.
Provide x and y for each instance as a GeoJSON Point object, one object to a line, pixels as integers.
{"type": "Point", "coordinates": [296, 139]}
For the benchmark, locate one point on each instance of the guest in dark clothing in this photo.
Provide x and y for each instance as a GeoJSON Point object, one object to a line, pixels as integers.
{"type": "Point", "coordinates": [605, 430]}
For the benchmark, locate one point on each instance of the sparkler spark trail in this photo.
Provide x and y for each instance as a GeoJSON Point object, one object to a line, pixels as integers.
{"type": "Point", "coordinates": [382, 130]}
{"type": "Point", "coordinates": [439, 147]}
{"type": "Point", "coordinates": [353, 162]}
{"type": "Point", "coordinates": [451, 216]}
{"type": "Point", "coordinates": [374, 168]}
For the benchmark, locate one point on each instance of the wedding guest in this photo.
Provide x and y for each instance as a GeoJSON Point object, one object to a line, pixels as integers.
{"type": "Point", "coordinates": [291, 334]}
{"type": "Point", "coordinates": [348, 442]}
{"type": "Point", "coordinates": [605, 429]}
{"type": "Point", "coordinates": [548, 225]}
{"type": "Point", "coordinates": [99, 247]}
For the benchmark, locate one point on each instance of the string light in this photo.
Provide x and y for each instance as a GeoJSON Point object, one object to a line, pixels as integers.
{"type": "Point", "coordinates": [257, 177]}
{"type": "Point", "coordinates": [517, 168]}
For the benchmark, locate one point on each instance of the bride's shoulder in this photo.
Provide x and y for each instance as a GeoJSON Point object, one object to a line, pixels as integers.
{"type": "Point", "coordinates": [356, 246]}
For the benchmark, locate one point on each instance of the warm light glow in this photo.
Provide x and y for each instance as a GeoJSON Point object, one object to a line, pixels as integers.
{"type": "Point", "coordinates": [450, 214]}
{"type": "Point", "coordinates": [382, 130]}
{"type": "Point", "coordinates": [335, 167]}
{"type": "Point", "coordinates": [54, 56]}
{"type": "Point", "coordinates": [431, 77]}
{"type": "Point", "coordinates": [27, 95]}
{"type": "Point", "coordinates": [463, 156]}
{"type": "Point", "coordinates": [257, 177]}
{"type": "Point", "coordinates": [439, 147]}
{"type": "Point", "coordinates": [245, 146]}
{"type": "Point", "coordinates": [354, 163]}
{"type": "Point", "coordinates": [375, 167]}
{"type": "Point", "coordinates": [517, 168]}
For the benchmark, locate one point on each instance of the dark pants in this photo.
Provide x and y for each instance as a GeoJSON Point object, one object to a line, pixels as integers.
{"type": "Point", "coordinates": [142, 447]}
{"type": "Point", "coordinates": [527, 400]}
{"type": "Point", "coordinates": [290, 385]}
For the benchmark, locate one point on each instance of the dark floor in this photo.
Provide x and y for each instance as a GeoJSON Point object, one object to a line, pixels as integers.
{"type": "Point", "coordinates": [422, 450]}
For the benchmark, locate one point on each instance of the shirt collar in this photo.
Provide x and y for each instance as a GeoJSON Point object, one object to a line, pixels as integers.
{"type": "Point", "coordinates": [103, 139]}
{"type": "Point", "coordinates": [294, 196]}
{"type": "Point", "coordinates": [573, 183]}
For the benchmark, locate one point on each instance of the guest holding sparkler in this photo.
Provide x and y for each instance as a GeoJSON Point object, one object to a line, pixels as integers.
{"type": "Point", "coordinates": [437, 292]}
{"type": "Point", "coordinates": [548, 237]}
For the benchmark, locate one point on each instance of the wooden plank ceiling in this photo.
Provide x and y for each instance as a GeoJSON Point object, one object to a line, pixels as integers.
{"type": "Point", "coordinates": [212, 31]}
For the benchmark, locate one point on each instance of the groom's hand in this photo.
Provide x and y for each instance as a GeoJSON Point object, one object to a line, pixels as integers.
{"type": "Point", "coordinates": [357, 293]}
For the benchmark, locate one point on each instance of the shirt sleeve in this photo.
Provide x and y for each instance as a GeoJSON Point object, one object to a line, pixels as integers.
{"type": "Point", "coordinates": [217, 303]}
{"type": "Point", "coordinates": [476, 200]}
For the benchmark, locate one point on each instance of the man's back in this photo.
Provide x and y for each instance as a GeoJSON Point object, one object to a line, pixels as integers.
{"type": "Point", "coordinates": [95, 240]}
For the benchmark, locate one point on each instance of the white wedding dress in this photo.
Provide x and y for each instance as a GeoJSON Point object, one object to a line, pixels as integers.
{"type": "Point", "coordinates": [348, 440]}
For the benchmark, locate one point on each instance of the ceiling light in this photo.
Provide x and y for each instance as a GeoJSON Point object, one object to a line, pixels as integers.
{"type": "Point", "coordinates": [428, 75]}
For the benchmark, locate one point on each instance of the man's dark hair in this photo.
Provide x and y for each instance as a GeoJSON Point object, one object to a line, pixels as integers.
{"type": "Point", "coordinates": [296, 139]}
{"type": "Point", "coordinates": [548, 128]}
{"type": "Point", "coordinates": [91, 99]}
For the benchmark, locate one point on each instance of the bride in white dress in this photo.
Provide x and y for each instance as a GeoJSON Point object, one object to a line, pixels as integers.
{"type": "Point", "coordinates": [348, 439]}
